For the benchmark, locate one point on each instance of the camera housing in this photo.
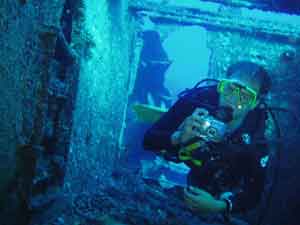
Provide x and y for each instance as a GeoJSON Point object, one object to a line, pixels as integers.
{"type": "Point", "coordinates": [212, 129]}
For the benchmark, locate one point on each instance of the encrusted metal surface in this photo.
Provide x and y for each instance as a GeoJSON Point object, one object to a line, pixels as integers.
{"type": "Point", "coordinates": [219, 16]}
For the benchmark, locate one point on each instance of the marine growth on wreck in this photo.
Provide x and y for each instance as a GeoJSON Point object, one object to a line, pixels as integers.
{"type": "Point", "coordinates": [140, 112]}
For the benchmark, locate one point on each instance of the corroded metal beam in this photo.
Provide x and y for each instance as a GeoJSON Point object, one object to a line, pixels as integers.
{"type": "Point", "coordinates": [253, 22]}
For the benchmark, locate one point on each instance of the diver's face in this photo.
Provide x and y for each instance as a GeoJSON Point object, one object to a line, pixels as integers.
{"type": "Point", "coordinates": [234, 101]}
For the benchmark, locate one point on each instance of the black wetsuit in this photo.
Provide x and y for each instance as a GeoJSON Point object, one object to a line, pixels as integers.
{"type": "Point", "coordinates": [233, 165]}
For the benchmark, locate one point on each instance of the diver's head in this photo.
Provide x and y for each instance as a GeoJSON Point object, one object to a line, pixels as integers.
{"type": "Point", "coordinates": [245, 85]}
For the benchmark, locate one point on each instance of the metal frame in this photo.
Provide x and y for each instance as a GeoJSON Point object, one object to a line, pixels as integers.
{"type": "Point", "coordinates": [207, 14]}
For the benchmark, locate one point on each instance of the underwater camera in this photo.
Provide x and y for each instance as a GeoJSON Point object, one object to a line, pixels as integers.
{"type": "Point", "coordinates": [211, 129]}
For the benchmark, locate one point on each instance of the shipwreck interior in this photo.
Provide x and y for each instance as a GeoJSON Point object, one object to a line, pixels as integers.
{"type": "Point", "coordinates": [75, 77]}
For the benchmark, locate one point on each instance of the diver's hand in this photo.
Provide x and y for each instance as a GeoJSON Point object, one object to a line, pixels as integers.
{"type": "Point", "coordinates": [189, 128]}
{"type": "Point", "coordinates": [202, 201]}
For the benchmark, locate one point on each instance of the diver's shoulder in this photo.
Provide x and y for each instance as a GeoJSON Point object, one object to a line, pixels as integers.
{"type": "Point", "coordinates": [200, 91]}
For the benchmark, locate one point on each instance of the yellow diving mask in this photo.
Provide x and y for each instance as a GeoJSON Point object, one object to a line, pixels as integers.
{"type": "Point", "coordinates": [246, 96]}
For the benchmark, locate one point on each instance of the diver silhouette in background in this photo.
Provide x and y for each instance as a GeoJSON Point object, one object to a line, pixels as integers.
{"type": "Point", "coordinates": [149, 88]}
{"type": "Point", "coordinates": [149, 85]}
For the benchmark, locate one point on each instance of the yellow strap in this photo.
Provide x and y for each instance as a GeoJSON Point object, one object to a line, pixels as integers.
{"type": "Point", "coordinates": [186, 153]}
{"type": "Point", "coordinates": [197, 162]}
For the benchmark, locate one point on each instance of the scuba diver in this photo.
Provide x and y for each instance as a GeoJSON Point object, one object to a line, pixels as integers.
{"type": "Point", "coordinates": [148, 89]}
{"type": "Point", "coordinates": [154, 62]}
{"type": "Point", "coordinates": [218, 131]}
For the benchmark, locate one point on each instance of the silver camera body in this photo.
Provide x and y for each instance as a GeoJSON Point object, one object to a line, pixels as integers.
{"type": "Point", "coordinates": [212, 129]}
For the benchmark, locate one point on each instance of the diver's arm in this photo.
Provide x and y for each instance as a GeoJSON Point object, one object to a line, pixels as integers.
{"type": "Point", "coordinates": [203, 202]}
